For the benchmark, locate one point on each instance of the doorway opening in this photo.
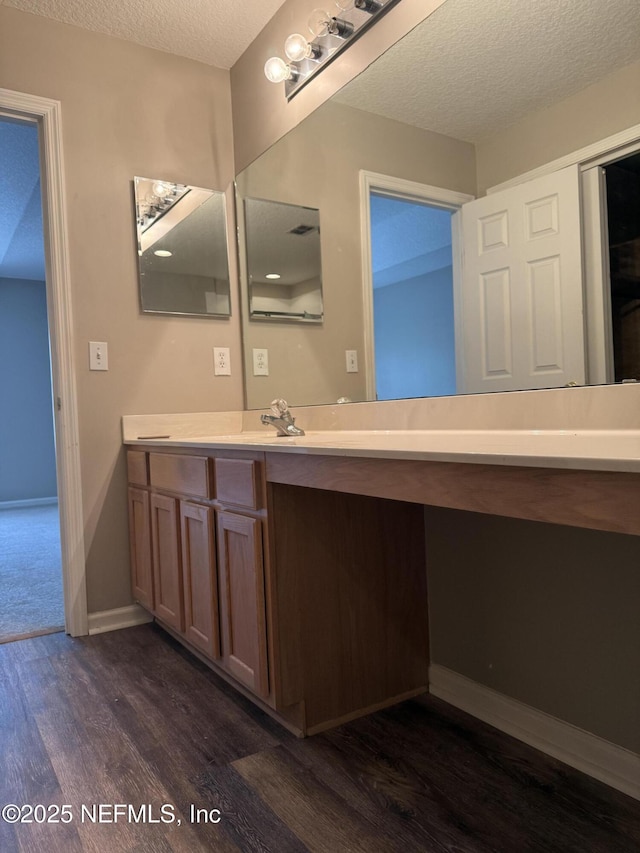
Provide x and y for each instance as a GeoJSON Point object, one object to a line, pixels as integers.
{"type": "Point", "coordinates": [413, 298]}
{"type": "Point", "coordinates": [623, 216]}
{"type": "Point", "coordinates": [31, 589]}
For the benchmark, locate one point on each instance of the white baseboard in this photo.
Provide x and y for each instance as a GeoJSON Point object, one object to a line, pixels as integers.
{"type": "Point", "coordinates": [121, 617]}
{"type": "Point", "coordinates": [605, 761]}
{"type": "Point", "coordinates": [28, 502]}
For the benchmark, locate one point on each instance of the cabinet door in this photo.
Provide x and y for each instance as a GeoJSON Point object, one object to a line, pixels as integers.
{"type": "Point", "coordinates": [140, 547]}
{"type": "Point", "coordinates": [242, 602]}
{"type": "Point", "coordinates": [200, 578]}
{"type": "Point", "coordinates": [167, 575]}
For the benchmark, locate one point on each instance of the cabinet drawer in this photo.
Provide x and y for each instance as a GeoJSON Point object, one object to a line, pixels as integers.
{"type": "Point", "coordinates": [137, 472]}
{"type": "Point", "coordinates": [187, 475]}
{"type": "Point", "coordinates": [236, 482]}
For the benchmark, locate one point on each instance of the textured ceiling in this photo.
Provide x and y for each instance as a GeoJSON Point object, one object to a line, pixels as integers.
{"type": "Point", "coordinates": [474, 67]}
{"type": "Point", "coordinates": [213, 31]}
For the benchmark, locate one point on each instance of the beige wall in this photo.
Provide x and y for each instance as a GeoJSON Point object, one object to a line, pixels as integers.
{"type": "Point", "coordinates": [318, 165]}
{"type": "Point", "coordinates": [601, 110]}
{"type": "Point", "coordinates": [545, 614]}
{"type": "Point", "coordinates": [126, 111]}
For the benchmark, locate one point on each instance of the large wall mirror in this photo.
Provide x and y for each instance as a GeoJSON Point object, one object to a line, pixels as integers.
{"type": "Point", "coordinates": [393, 163]}
{"type": "Point", "coordinates": [183, 260]}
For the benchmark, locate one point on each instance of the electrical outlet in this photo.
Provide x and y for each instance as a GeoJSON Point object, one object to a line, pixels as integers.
{"type": "Point", "coordinates": [221, 361]}
{"type": "Point", "coordinates": [352, 360]}
{"type": "Point", "coordinates": [260, 362]}
{"type": "Point", "coordinates": [98, 355]}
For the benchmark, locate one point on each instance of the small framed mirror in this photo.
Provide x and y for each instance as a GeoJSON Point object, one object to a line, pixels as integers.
{"type": "Point", "coordinates": [183, 260]}
{"type": "Point", "coordinates": [284, 269]}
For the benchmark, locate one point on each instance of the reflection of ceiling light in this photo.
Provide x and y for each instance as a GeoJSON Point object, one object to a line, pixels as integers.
{"type": "Point", "coordinates": [272, 275]}
{"type": "Point", "coordinates": [162, 253]}
{"type": "Point", "coordinates": [162, 189]}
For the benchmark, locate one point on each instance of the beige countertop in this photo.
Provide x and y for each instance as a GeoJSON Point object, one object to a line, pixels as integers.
{"type": "Point", "coordinates": [597, 450]}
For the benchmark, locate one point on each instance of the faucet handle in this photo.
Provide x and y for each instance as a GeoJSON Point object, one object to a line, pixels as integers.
{"type": "Point", "coordinates": [279, 407]}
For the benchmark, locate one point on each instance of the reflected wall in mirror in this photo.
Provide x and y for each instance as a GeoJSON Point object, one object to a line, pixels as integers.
{"type": "Point", "coordinates": [183, 261]}
{"type": "Point", "coordinates": [474, 115]}
{"type": "Point", "coordinates": [284, 270]}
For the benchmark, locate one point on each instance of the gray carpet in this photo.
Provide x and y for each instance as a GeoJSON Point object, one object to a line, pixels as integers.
{"type": "Point", "coordinates": [31, 599]}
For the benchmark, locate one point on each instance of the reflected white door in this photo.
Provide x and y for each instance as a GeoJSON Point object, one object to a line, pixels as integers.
{"type": "Point", "coordinates": [521, 297]}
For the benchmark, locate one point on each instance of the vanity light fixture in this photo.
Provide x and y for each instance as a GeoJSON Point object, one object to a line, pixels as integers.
{"type": "Point", "coordinates": [331, 34]}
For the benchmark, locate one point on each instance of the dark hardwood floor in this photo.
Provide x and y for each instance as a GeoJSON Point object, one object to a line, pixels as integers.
{"type": "Point", "coordinates": [131, 718]}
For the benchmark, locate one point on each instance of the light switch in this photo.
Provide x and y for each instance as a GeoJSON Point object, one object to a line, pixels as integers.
{"type": "Point", "coordinates": [352, 360]}
{"type": "Point", "coordinates": [98, 355]}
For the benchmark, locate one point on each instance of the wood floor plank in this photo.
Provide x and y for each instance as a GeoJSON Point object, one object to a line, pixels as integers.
{"type": "Point", "coordinates": [484, 776]}
{"type": "Point", "coordinates": [384, 793]}
{"type": "Point", "coordinates": [248, 820]}
{"type": "Point", "coordinates": [28, 777]}
{"type": "Point", "coordinates": [318, 816]}
{"type": "Point", "coordinates": [180, 704]}
{"type": "Point", "coordinates": [130, 717]}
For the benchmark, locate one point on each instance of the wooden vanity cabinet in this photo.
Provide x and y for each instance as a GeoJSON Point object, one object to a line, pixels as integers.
{"type": "Point", "coordinates": [200, 578]}
{"type": "Point", "coordinates": [242, 600]}
{"type": "Point", "coordinates": [140, 547]}
{"type": "Point", "coordinates": [140, 529]}
{"type": "Point", "coordinates": [312, 602]}
{"type": "Point", "coordinates": [167, 573]}
{"type": "Point", "coordinates": [197, 555]}
{"type": "Point", "coordinates": [240, 496]}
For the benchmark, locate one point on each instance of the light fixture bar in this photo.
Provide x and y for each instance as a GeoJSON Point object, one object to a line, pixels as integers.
{"type": "Point", "coordinates": [332, 34]}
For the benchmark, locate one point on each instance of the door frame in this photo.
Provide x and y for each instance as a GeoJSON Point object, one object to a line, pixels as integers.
{"type": "Point", "coordinates": [408, 191]}
{"type": "Point", "coordinates": [46, 114]}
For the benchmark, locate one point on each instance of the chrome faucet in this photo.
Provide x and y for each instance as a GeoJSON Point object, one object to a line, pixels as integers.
{"type": "Point", "coordinates": [282, 419]}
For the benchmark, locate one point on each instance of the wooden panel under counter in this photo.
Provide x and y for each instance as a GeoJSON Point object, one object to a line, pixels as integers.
{"type": "Point", "coordinates": [597, 500]}
{"type": "Point", "coordinates": [351, 602]}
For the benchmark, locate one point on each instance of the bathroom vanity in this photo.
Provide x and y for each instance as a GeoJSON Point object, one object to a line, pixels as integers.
{"type": "Point", "coordinates": [296, 567]}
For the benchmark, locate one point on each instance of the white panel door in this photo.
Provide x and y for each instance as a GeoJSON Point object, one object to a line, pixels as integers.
{"type": "Point", "coordinates": [521, 299]}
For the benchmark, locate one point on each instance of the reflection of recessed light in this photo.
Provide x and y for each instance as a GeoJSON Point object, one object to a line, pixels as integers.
{"type": "Point", "coordinates": [162, 253]}
{"type": "Point", "coordinates": [272, 275]}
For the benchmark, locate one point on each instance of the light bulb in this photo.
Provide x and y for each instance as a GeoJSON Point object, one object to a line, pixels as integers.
{"type": "Point", "coordinates": [161, 189]}
{"type": "Point", "coordinates": [319, 22]}
{"type": "Point", "coordinates": [276, 70]}
{"type": "Point", "coordinates": [297, 47]}
{"type": "Point", "coordinates": [345, 5]}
